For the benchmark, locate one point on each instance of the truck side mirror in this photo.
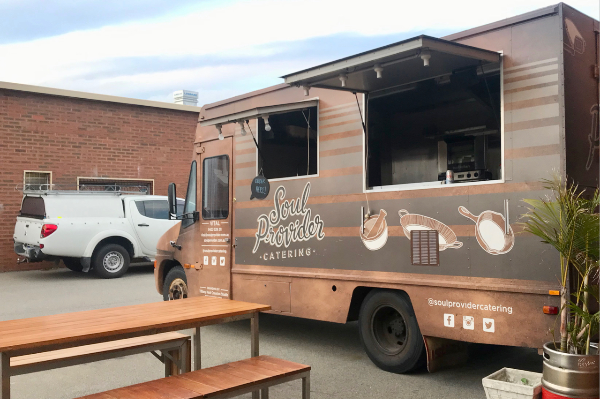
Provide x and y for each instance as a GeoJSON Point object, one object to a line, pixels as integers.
{"type": "Point", "coordinates": [172, 200]}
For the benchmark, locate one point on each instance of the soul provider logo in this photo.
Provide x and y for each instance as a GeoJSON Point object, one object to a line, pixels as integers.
{"type": "Point", "coordinates": [272, 231]}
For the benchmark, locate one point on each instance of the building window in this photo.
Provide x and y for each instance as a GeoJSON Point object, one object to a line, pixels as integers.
{"type": "Point", "coordinates": [142, 186]}
{"type": "Point", "coordinates": [36, 180]}
{"type": "Point", "coordinates": [289, 148]}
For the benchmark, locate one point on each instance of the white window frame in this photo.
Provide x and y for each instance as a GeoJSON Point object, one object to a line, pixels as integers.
{"type": "Point", "coordinates": [48, 172]}
{"type": "Point", "coordinates": [437, 184]}
{"type": "Point", "coordinates": [318, 150]}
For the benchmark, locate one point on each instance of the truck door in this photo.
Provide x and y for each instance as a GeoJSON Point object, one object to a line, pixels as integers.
{"type": "Point", "coordinates": [215, 218]}
{"type": "Point", "coordinates": [150, 218]}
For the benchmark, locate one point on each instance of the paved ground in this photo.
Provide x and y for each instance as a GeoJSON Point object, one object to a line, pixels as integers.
{"type": "Point", "coordinates": [340, 367]}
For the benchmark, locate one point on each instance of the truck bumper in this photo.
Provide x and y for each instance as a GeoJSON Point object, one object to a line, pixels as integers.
{"type": "Point", "coordinates": [32, 253]}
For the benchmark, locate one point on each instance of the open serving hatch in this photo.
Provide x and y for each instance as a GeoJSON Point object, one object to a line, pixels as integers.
{"type": "Point", "coordinates": [412, 60]}
{"type": "Point", "coordinates": [286, 137]}
{"type": "Point", "coordinates": [430, 105]}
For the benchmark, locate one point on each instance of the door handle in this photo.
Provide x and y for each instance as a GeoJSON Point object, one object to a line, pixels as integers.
{"type": "Point", "coordinates": [143, 225]}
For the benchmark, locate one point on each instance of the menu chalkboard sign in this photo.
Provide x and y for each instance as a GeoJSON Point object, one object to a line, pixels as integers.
{"type": "Point", "coordinates": [260, 187]}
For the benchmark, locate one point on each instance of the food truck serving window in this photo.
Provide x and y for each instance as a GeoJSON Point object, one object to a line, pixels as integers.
{"type": "Point", "coordinates": [289, 145]}
{"type": "Point", "coordinates": [215, 188]}
{"type": "Point", "coordinates": [431, 106]}
{"type": "Point", "coordinates": [419, 131]}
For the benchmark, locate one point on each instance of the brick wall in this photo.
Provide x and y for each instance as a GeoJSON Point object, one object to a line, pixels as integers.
{"type": "Point", "coordinates": [84, 138]}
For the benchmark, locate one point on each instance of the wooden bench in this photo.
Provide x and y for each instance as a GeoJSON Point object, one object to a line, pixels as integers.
{"type": "Point", "coordinates": [175, 353]}
{"type": "Point", "coordinates": [225, 381]}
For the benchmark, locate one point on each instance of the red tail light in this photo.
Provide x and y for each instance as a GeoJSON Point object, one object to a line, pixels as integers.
{"type": "Point", "coordinates": [48, 229]}
{"type": "Point", "coordinates": [550, 310]}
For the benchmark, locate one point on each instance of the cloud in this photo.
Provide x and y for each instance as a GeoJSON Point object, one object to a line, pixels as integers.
{"type": "Point", "coordinates": [24, 20]}
{"type": "Point", "coordinates": [224, 49]}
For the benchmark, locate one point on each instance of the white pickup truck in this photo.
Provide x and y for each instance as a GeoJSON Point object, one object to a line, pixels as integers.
{"type": "Point", "coordinates": [100, 231]}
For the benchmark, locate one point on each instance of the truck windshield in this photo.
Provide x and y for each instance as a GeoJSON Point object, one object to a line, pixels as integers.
{"type": "Point", "coordinates": [190, 198]}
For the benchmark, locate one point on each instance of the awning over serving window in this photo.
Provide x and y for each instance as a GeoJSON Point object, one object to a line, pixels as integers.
{"type": "Point", "coordinates": [412, 60]}
{"type": "Point", "coordinates": [259, 112]}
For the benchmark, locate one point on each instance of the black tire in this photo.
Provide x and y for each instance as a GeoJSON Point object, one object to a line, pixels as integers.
{"type": "Point", "coordinates": [175, 284]}
{"type": "Point", "coordinates": [110, 261]}
{"type": "Point", "coordinates": [390, 333]}
{"type": "Point", "coordinates": [73, 264]}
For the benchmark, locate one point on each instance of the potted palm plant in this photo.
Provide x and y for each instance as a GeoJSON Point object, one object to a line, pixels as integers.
{"type": "Point", "coordinates": [568, 221]}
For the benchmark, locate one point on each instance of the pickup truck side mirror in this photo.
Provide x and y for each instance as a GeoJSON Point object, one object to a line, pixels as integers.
{"type": "Point", "coordinates": [172, 200]}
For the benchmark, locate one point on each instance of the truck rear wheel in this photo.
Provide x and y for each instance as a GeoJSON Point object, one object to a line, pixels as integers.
{"type": "Point", "coordinates": [390, 333]}
{"type": "Point", "coordinates": [73, 264]}
{"type": "Point", "coordinates": [110, 261]}
{"type": "Point", "coordinates": [175, 285]}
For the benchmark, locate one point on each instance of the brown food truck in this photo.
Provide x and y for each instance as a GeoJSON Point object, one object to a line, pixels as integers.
{"type": "Point", "coordinates": [387, 187]}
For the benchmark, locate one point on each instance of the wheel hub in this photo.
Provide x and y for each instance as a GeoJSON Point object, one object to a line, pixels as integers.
{"type": "Point", "coordinates": [178, 289]}
{"type": "Point", "coordinates": [113, 261]}
{"type": "Point", "coordinates": [389, 329]}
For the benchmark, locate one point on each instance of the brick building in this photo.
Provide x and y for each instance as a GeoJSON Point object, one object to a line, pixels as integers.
{"type": "Point", "coordinates": [75, 139]}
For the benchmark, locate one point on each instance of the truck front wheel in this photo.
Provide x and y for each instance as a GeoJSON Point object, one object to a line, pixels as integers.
{"type": "Point", "coordinates": [175, 285]}
{"type": "Point", "coordinates": [390, 333]}
{"type": "Point", "coordinates": [110, 261]}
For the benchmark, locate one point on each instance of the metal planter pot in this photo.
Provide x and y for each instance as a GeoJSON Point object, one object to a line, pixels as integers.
{"type": "Point", "coordinates": [568, 375]}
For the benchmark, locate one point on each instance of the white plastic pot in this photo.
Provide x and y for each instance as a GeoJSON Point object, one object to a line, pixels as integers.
{"type": "Point", "coordinates": [508, 384]}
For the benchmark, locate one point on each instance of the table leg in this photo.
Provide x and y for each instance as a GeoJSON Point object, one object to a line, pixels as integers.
{"type": "Point", "coordinates": [254, 335]}
{"type": "Point", "coordinates": [254, 344]}
{"type": "Point", "coordinates": [306, 387]}
{"type": "Point", "coordinates": [5, 376]}
{"type": "Point", "coordinates": [197, 350]}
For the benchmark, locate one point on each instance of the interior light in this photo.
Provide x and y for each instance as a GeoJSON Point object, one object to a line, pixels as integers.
{"type": "Point", "coordinates": [378, 69]}
{"type": "Point", "coordinates": [425, 56]}
{"type": "Point", "coordinates": [267, 126]}
{"type": "Point", "coordinates": [243, 131]}
{"type": "Point", "coordinates": [306, 89]}
{"type": "Point", "coordinates": [220, 132]}
{"type": "Point", "coordinates": [343, 79]}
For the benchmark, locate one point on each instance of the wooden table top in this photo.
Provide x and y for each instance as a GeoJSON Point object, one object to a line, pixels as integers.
{"type": "Point", "coordinates": [37, 334]}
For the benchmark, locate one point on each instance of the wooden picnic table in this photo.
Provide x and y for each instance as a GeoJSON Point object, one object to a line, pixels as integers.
{"type": "Point", "coordinates": [46, 333]}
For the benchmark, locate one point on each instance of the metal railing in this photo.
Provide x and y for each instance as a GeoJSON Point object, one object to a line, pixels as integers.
{"type": "Point", "coordinates": [96, 188]}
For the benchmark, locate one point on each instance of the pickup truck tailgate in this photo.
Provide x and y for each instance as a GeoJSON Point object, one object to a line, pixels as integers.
{"type": "Point", "coordinates": [27, 230]}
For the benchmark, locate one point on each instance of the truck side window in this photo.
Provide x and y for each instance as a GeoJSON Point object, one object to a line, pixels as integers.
{"type": "Point", "coordinates": [157, 209]}
{"type": "Point", "coordinates": [140, 207]}
{"type": "Point", "coordinates": [215, 187]}
{"type": "Point", "coordinates": [190, 198]}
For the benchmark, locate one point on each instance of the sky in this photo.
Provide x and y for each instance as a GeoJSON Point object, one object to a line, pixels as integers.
{"type": "Point", "coordinates": [148, 49]}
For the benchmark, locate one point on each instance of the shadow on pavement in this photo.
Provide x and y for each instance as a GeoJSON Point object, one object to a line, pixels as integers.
{"type": "Point", "coordinates": [62, 273]}
{"type": "Point", "coordinates": [306, 333]}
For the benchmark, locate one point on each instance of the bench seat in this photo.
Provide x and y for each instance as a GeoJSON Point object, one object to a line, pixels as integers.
{"type": "Point", "coordinates": [224, 381]}
{"type": "Point", "coordinates": [172, 345]}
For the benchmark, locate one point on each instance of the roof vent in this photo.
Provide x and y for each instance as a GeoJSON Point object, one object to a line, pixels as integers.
{"type": "Point", "coordinates": [186, 97]}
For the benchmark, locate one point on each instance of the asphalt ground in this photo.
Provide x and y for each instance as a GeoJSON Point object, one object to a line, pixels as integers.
{"type": "Point", "coordinates": [340, 367]}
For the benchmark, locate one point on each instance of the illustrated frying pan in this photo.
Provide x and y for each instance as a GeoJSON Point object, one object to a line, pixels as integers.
{"type": "Point", "coordinates": [491, 232]}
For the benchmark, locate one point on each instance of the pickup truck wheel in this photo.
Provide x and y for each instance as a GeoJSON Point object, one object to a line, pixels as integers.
{"type": "Point", "coordinates": [390, 333]}
{"type": "Point", "coordinates": [73, 264]}
{"type": "Point", "coordinates": [111, 261]}
{"type": "Point", "coordinates": [175, 285]}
